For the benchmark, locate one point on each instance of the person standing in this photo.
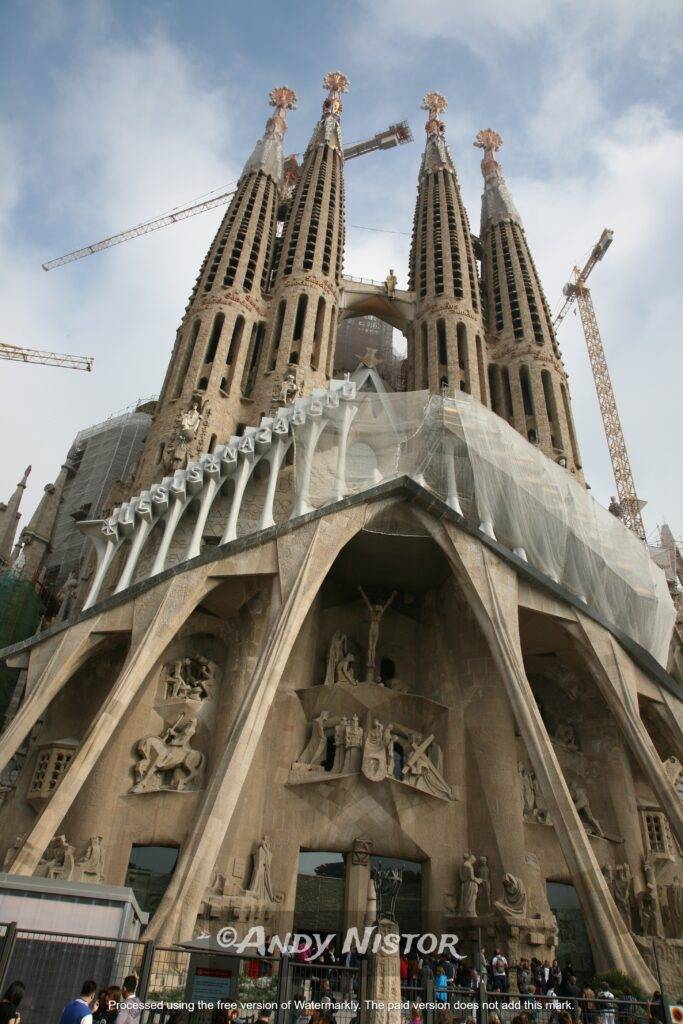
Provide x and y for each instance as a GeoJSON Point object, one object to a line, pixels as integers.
{"type": "Point", "coordinates": [499, 966]}
{"type": "Point", "coordinates": [80, 1010]}
{"type": "Point", "coordinates": [9, 1005]}
{"type": "Point", "coordinates": [131, 1009]}
{"type": "Point", "coordinates": [108, 1008]}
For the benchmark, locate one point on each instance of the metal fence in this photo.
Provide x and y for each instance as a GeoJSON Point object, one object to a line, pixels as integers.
{"type": "Point", "coordinates": [54, 965]}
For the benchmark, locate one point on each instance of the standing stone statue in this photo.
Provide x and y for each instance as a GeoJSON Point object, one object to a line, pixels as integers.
{"type": "Point", "coordinates": [376, 613]}
{"type": "Point", "coordinates": [384, 977]}
{"type": "Point", "coordinates": [353, 744]}
{"type": "Point", "coordinates": [390, 283]}
{"type": "Point", "coordinates": [316, 748]}
{"type": "Point", "coordinates": [583, 808]}
{"type": "Point", "coordinates": [339, 666]}
{"type": "Point", "coordinates": [469, 886]}
{"type": "Point", "coordinates": [340, 743]}
{"type": "Point", "coordinates": [622, 883]}
{"type": "Point", "coordinates": [260, 885]}
{"type": "Point", "coordinates": [67, 598]}
{"type": "Point", "coordinates": [90, 868]}
{"type": "Point", "coordinates": [484, 873]}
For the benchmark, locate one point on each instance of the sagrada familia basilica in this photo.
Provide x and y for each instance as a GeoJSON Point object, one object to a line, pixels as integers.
{"type": "Point", "coordinates": [332, 623]}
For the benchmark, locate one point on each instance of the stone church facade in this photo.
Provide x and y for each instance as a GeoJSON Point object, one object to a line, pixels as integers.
{"type": "Point", "coordinates": [328, 619]}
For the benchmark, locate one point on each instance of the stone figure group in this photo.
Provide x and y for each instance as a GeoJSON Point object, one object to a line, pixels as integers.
{"type": "Point", "coordinates": [186, 433]}
{"type": "Point", "coordinates": [168, 761]}
{"type": "Point", "coordinates": [189, 678]}
{"type": "Point", "coordinates": [474, 894]}
{"type": "Point", "coordinates": [379, 751]}
{"type": "Point", "coordinates": [60, 861]}
{"type": "Point", "coordinates": [340, 665]}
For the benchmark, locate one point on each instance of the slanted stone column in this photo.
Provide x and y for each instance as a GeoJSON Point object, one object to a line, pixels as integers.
{"type": "Point", "coordinates": [491, 587]}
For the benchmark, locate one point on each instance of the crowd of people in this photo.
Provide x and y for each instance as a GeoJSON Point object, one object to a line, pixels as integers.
{"type": "Point", "coordinates": [94, 1005]}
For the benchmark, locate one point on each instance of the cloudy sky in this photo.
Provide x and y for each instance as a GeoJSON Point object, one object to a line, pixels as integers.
{"type": "Point", "coordinates": [113, 113]}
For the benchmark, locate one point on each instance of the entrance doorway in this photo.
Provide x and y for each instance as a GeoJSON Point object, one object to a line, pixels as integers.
{"type": "Point", "coordinates": [573, 946]}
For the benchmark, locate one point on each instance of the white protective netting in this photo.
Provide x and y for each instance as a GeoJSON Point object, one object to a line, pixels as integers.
{"type": "Point", "coordinates": [457, 445]}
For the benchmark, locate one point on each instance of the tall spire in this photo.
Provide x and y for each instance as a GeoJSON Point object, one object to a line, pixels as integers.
{"type": "Point", "coordinates": [446, 346]}
{"type": "Point", "coordinates": [267, 155]}
{"type": "Point", "coordinates": [496, 203]}
{"type": "Point", "coordinates": [308, 264]}
{"type": "Point", "coordinates": [218, 344]}
{"type": "Point", "coordinates": [9, 518]}
{"type": "Point", "coordinates": [35, 539]}
{"type": "Point", "coordinates": [527, 381]}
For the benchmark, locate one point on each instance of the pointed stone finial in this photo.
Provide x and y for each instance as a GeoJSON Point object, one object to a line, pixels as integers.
{"type": "Point", "coordinates": [283, 99]}
{"type": "Point", "coordinates": [435, 104]}
{"type": "Point", "coordinates": [22, 482]}
{"type": "Point", "coordinates": [336, 83]}
{"type": "Point", "coordinates": [490, 142]}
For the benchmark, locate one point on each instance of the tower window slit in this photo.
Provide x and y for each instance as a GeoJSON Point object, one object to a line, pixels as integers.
{"type": "Point", "coordinates": [441, 342]}
{"type": "Point", "coordinates": [425, 356]}
{"type": "Point", "coordinates": [187, 358]}
{"type": "Point", "coordinates": [463, 361]}
{"type": "Point", "coordinates": [318, 334]}
{"type": "Point", "coordinates": [214, 338]}
{"type": "Point", "coordinates": [507, 394]}
{"type": "Point", "coordinates": [525, 384]}
{"type": "Point", "coordinates": [277, 334]}
{"type": "Point", "coordinates": [235, 340]}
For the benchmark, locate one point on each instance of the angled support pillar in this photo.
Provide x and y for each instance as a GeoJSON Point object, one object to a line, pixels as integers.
{"type": "Point", "coordinates": [491, 587]}
{"type": "Point", "coordinates": [176, 915]}
{"type": "Point", "coordinates": [71, 649]}
{"type": "Point", "coordinates": [611, 669]}
{"type": "Point", "coordinates": [176, 600]}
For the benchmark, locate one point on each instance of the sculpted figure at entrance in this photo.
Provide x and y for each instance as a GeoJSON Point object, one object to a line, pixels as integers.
{"type": "Point", "coordinates": [469, 886]}
{"type": "Point", "coordinates": [376, 612]}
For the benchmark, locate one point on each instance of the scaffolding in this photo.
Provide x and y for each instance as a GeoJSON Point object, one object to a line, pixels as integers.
{"type": "Point", "coordinates": [99, 455]}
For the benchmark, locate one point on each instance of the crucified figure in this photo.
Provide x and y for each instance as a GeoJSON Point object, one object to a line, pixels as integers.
{"type": "Point", "coordinates": [376, 613]}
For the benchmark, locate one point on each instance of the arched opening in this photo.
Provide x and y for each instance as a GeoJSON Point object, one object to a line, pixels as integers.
{"type": "Point", "coordinates": [299, 326]}
{"type": "Point", "coordinates": [233, 348]}
{"type": "Point", "coordinates": [318, 333]}
{"type": "Point", "coordinates": [387, 669]}
{"type": "Point", "coordinates": [525, 384]}
{"type": "Point", "coordinates": [424, 362]}
{"type": "Point", "coordinates": [202, 384]}
{"type": "Point", "coordinates": [550, 408]}
{"type": "Point", "coordinates": [494, 388]}
{"type": "Point", "coordinates": [251, 364]}
{"type": "Point", "coordinates": [212, 442]}
{"type": "Point", "coordinates": [332, 341]}
{"type": "Point", "coordinates": [462, 347]}
{"type": "Point", "coordinates": [570, 426]}
{"type": "Point", "coordinates": [507, 394]}
{"type": "Point", "coordinates": [187, 358]}
{"type": "Point", "coordinates": [277, 334]}
{"type": "Point", "coordinates": [482, 372]}
{"type": "Point", "coordinates": [441, 342]}
{"type": "Point", "coordinates": [214, 338]}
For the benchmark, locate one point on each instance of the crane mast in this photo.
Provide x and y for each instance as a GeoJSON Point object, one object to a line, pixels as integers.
{"type": "Point", "coordinates": [17, 354]}
{"type": "Point", "coordinates": [576, 290]}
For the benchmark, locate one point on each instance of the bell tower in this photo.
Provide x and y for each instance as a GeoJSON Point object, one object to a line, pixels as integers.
{"type": "Point", "coordinates": [447, 345]}
{"type": "Point", "coordinates": [308, 263]}
{"type": "Point", "coordinates": [206, 392]}
{"type": "Point", "coordinates": [527, 379]}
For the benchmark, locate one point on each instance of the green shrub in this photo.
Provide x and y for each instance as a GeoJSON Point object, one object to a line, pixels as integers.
{"type": "Point", "coordinates": [618, 983]}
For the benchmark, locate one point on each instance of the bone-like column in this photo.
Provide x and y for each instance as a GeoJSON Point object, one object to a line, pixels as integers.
{"type": "Point", "coordinates": [107, 542]}
{"type": "Point", "coordinates": [275, 459]}
{"type": "Point", "coordinates": [69, 650]}
{"type": "Point", "coordinates": [611, 669]}
{"type": "Point", "coordinates": [177, 599]}
{"type": "Point", "coordinates": [491, 588]}
{"type": "Point", "coordinates": [242, 476]}
{"type": "Point", "coordinates": [177, 912]}
{"type": "Point", "coordinates": [310, 431]}
{"type": "Point", "coordinates": [348, 412]}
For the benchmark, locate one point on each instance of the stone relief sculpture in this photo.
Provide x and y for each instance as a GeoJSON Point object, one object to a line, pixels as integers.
{"type": "Point", "coordinates": [531, 807]}
{"type": "Point", "coordinates": [168, 762]}
{"type": "Point", "coordinates": [90, 867]}
{"type": "Point", "coordinates": [13, 851]}
{"type": "Point", "coordinates": [379, 751]}
{"type": "Point", "coordinates": [186, 437]}
{"type": "Point", "coordinates": [67, 597]}
{"type": "Point", "coordinates": [58, 860]}
{"type": "Point", "coordinates": [190, 679]}
{"type": "Point", "coordinates": [646, 901]}
{"type": "Point", "coordinates": [469, 887]}
{"type": "Point", "coordinates": [513, 900]}
{"type": "Point", "coordinates": [340, 666]}
{"type": "Point", "coordinates": [565, 735]}
{"type": "Point", "coordinates": [253, 903]}
{"type": "Point", "coordinates": [583, 809]}
{"type": "Point", "coordinates": [260, 885]}
{"type": "Point", "coordinates": [376, 613]}
{"type": "Point", "coordinates": [675, 904]}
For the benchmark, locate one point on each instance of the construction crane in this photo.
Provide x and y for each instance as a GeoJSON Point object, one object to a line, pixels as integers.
{"type": "Point", "coordinates": [33, 355]}
{"type": "Point", "coordinates": [629, 506]}
{"type": "Point", "coordinates": [394, 135]}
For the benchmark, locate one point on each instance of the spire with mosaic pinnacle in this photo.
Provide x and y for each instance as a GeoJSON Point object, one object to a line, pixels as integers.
{"type": "Point", "coordinates": [225, 320]}
{"type": "Point", "coordinates": [309, 260]}
{"type": "Point", "coordinates": [446, 350]}
{"type": "Point", "coordinates": [527, 381]}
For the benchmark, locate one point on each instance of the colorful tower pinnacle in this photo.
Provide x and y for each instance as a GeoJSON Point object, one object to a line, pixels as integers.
{"type": "Point", "coordinates": [527, 380]}
{"type": "Point", "coordinates": [446, 349]}
{"type": "Point", "coordinates": [219, 340]}
{"type": "Point", "coordinates": [309, 261]}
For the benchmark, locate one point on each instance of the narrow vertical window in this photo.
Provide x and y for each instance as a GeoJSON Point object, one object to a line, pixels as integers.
{"type": "Point", "coordinates": [441, 342]}
{"type": "Point", "coordinates": [318, 333]}
{"type": "Point", "coordinates": [214, 338]}
{"type": "Point", "coordinates": [425, 356]}
{"type": "Point", "coordinates": [187, 358]}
